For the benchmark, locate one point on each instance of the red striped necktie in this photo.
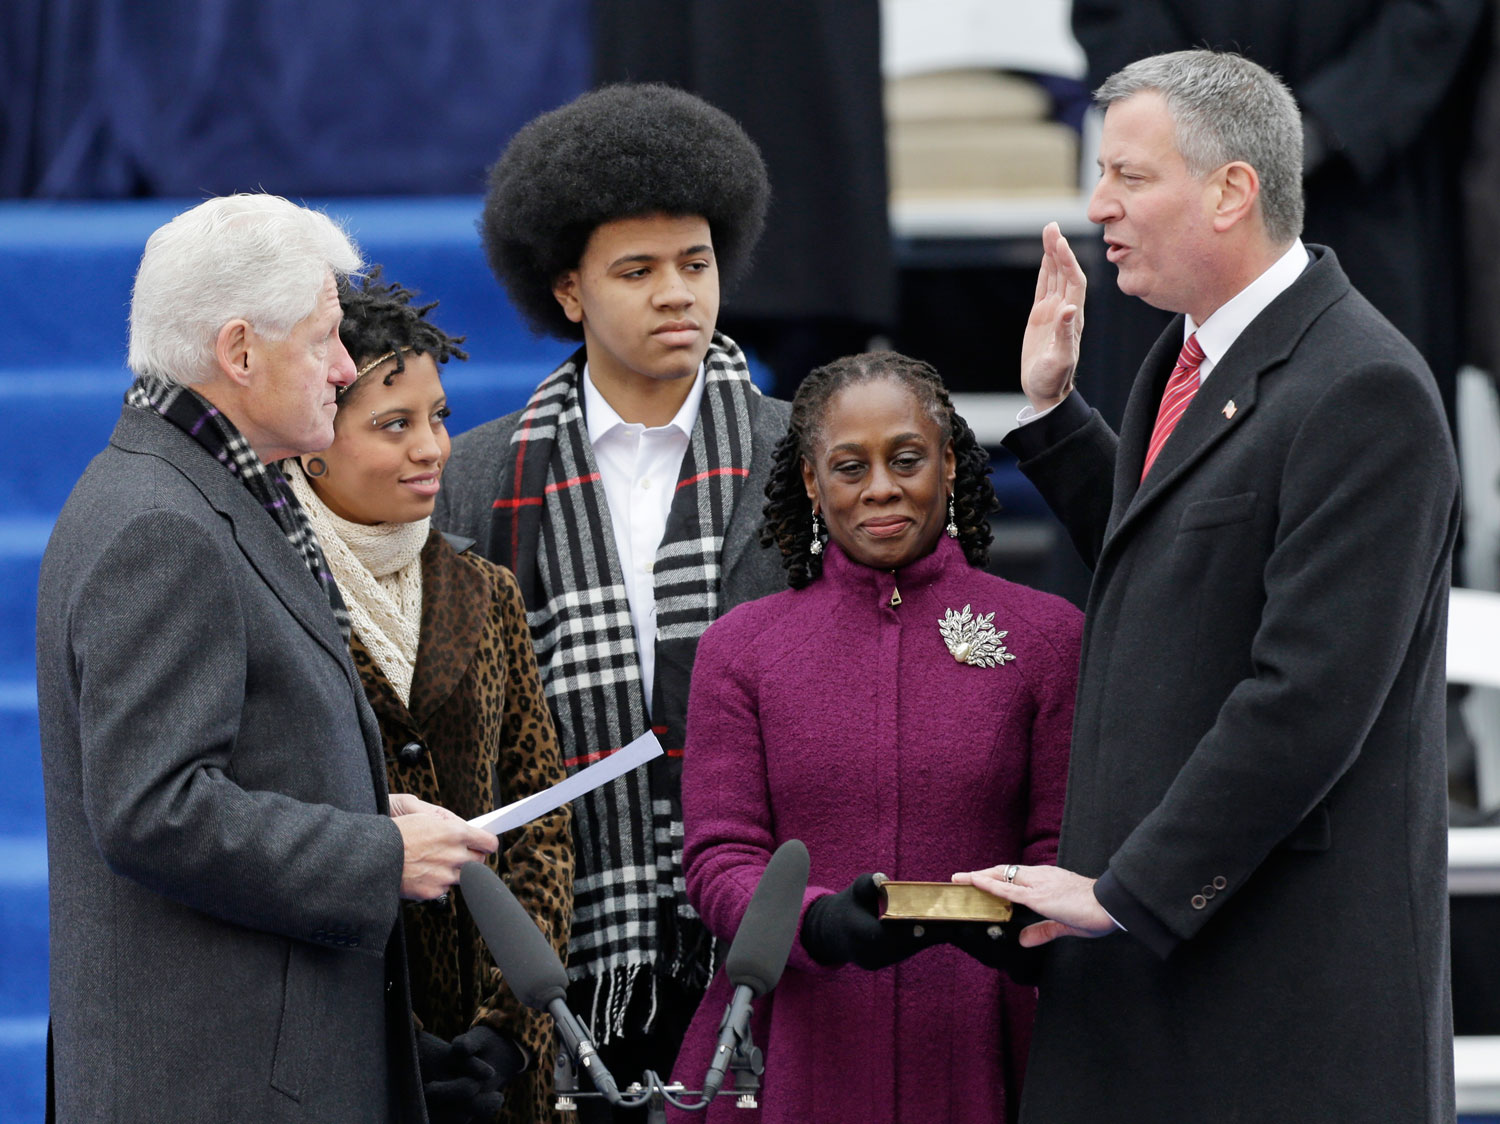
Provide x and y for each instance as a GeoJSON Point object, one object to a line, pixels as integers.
{"type": "Point", "coordinates": [1174, 400]}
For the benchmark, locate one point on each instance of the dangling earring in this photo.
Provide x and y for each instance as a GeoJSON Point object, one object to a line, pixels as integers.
{"type": "Point", "coordinates": [315, 467]}
{"type": "Point", "coordinates": [817, 537]}
{"type": "Point", "coordinates": [952, 527]}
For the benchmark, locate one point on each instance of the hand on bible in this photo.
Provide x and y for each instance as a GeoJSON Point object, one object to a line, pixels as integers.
{"type": "Point", "coordinates": [1066, 900]}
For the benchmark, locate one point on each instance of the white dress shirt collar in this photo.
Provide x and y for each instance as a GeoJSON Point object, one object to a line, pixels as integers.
{"type": "Point", "coordinates": [1217, 334]}
{"type": "Point", "coordinates": [602, 418]}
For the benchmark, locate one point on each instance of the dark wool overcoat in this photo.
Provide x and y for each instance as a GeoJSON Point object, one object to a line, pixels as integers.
{"type": "Point", "coordinates": [223, 877]}
{"type": "Point", "coordinates": [1258, 754]}
{"type": "Point", "coordinates": [477, 734]}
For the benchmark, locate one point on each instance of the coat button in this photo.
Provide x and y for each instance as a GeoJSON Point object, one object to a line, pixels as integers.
{"type": "Point", "coordinates": [1209, 892]}
{"type": "Point", "coordinates": [1199, 901]}
{"type": "Point", "coordinates": [410, 753]}
{"type": "Point", "coordinates": [1220, 882]}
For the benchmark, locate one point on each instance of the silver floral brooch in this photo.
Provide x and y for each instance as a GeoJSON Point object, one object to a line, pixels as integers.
{"type": "Point", "coordinates": [973, 640]}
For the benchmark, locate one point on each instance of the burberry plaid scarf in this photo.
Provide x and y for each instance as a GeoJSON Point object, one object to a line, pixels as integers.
{"type": "Point", "coordinates": [631, 917]}
{"type": "Point", "coordinates": [201, 421]}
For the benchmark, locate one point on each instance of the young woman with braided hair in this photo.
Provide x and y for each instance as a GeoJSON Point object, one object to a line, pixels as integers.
{"type": "Point", "coordinates": [899, 710]}
{"type": "Point", "coordinates": [440, 639]}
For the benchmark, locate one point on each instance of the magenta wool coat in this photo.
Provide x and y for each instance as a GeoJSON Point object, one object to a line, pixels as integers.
{"type": "Point", "coordinates": [827, 715]}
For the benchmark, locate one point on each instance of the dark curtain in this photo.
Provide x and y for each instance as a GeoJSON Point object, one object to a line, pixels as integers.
{"type": "Point", "coordinates": [118, 98]}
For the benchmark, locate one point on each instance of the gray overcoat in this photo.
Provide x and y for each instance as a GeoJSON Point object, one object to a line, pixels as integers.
{"type": "Point", "coordinates": [224, 884]}
{"type": "Point", "coordinates": [1258, 751]}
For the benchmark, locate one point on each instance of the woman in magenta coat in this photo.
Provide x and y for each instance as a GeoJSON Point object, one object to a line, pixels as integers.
{"type": "Point", "coordinates": [898, 710]}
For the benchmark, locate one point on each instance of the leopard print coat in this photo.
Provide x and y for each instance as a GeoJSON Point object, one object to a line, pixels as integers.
{"type": "Point", "coordinates": [478, 734]}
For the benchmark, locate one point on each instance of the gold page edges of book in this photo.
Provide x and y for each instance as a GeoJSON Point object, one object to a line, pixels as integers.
{"type": "Point", "coordinates": [941, 901]}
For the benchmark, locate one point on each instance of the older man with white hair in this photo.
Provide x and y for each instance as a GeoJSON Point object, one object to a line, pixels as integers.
{"type": "Point", "coordinates": [225, 866]}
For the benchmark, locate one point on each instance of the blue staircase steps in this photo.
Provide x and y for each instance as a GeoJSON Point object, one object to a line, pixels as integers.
{"type": "Point", "coordinates": [23, 956]}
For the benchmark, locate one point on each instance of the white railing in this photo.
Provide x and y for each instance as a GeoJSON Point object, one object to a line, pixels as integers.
{"type": "Point", "coordinates": [1476, 1073]}
{"type": "Point", "coordinates": [1474, 861]}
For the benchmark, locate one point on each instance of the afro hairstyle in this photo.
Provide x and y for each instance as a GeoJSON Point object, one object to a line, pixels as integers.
{"type": "Point", "coordinates": [617, 152]}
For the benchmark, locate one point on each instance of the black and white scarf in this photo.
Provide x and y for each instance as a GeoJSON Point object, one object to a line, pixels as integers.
{"type": "Point", "coordinates": [202, 421]}
{"type": "Point", "coordinates": [631, 917]}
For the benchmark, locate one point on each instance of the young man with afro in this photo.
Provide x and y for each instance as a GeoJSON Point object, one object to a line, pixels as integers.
{"type": "Point", "coordinates": [627, 497]}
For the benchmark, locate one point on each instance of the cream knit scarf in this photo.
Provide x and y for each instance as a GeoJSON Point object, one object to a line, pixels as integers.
{"type": "Point", "coordinates": [379, 571]}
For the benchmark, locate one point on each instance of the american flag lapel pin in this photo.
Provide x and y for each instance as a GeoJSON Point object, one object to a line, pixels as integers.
{"type": "Point", "coordinates": [1230, 408]}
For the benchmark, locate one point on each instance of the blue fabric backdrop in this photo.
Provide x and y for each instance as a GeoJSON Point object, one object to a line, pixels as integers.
{"type": "Point", "coordinates": [119, 98]}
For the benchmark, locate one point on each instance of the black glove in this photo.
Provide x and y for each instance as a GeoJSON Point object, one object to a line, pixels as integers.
{"type": "Point", "coordinates": [997, 945]}
{"type": "Point", "coordinates": [462, 1079]}
{"type": "Point", "coordinates": [844, 927]}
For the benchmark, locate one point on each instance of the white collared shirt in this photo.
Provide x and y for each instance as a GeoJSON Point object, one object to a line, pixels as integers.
{"type": "Point", "coordinates": [1225, 324]}
{"type": "Point", "coordinates": [638, 467]}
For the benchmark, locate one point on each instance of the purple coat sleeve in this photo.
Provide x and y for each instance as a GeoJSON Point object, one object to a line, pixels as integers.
{"type": "Point", "coordinates": [726, 806]}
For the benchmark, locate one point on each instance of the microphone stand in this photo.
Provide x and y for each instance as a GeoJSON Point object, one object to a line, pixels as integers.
{"type": "Point", "coordinates": [747, 1063]}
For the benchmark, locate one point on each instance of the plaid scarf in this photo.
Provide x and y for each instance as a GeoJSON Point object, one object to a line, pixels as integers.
{"type": "Point", "coordinates": [631, 916]}
{"type": "Point", "coordinates": [202, 421]}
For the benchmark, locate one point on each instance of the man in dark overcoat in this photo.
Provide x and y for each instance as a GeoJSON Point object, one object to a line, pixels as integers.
{"type": "Point", "coordinates": [225, 868]}
{"type": "Point", "coordinates": [1256, 792]}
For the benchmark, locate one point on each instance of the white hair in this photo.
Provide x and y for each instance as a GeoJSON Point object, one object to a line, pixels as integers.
{"type": "Point", "coordinates": [260, 258]}
{"type": "Point", "coordinates": [1225, 108]}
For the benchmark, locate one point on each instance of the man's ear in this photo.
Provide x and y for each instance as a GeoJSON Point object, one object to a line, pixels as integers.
{"type": "Point", "coordinates": [565, 289]}
{"type": "Point", "coordinates": [232, 351]}
{"type": "Point", "coordinates": [1238, 187]}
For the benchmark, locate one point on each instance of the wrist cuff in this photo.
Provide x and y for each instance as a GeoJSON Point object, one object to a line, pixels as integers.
{"type": "Point", "coordinates": [1127, 912]}
{"type": "Point", "coordinates": [1040, 434]}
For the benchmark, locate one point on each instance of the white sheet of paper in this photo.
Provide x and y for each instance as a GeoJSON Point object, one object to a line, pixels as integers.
{"type": "Point", "coordinates": [528, 808]}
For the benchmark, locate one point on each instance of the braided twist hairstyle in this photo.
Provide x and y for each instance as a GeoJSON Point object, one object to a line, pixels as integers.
{"type": "Point", "coordinates": [380, 318]}
{"type": "Point", "coordinates": [788, 511]}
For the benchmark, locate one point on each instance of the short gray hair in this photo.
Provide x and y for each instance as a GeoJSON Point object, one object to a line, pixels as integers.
{"type": "Point", "coordinates": [257, 257]}
{"type": "Point", "coordinates": [1225, 107]}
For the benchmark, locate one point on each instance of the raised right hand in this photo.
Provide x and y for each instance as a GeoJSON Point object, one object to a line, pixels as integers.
{"type": "Point", "coordinates": [1049, 349]}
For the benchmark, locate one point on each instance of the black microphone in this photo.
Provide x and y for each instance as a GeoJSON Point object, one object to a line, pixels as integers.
{"type": "Point", "coordinates": [530, 966]}
{"type": "Point", "coordinates": [759, 950]}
